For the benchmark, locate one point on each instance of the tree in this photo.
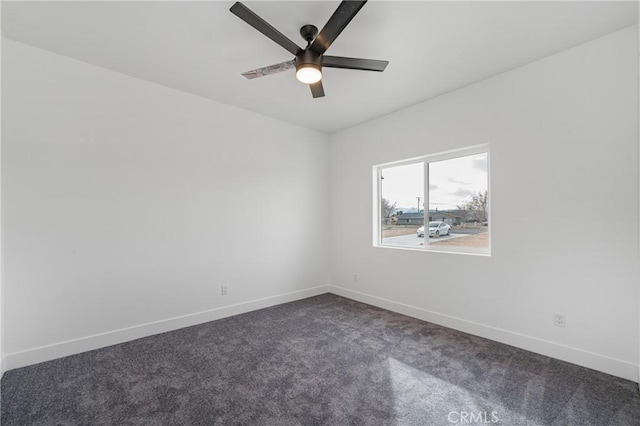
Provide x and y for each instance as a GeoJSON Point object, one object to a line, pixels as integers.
{"type": "Point", "coordinates": [386, 208]}
{"type": "Point", "coordinates": [477, 206]}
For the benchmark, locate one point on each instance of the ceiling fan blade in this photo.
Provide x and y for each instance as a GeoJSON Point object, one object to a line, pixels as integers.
{"type": "Point", "coordinates": [271, 69]}
{"type": "Point", "coordinates": [338, 22]}
{"type": "Point", "coordinates": [248, 16]}
{"type": "Point", "coordinates": [354, 63]}
{"type": "Point", "coordinates": [317, 90]}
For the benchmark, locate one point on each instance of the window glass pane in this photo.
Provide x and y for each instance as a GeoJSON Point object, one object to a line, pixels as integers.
{"type": "Point", "coordinates": [459, 203]}
{"type": "Point", "coordinates": [402, 205]}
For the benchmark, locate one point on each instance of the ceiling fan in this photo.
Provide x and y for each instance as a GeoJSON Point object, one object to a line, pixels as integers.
{"type": "Point", "coordinates": [309, 61]}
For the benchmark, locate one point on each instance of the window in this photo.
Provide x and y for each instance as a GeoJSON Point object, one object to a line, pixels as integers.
{"type": "Point", "coordinates": [437, 202]}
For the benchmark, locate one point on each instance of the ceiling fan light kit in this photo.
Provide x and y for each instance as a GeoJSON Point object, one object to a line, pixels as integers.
{"type": "Point", "coordinates": [308, 67]}
{"type": "Point", "coordinates": [309, 61]}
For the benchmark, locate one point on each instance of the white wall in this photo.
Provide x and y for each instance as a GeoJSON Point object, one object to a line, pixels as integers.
{"type": "Point", "coordinates": [2, 369]}
{"type": "Point", "coordinates": [563, 135]}
{"type": "Point", "coordinates": [638, 35]}
{"type": "Point", "coordinates": [129, 203]}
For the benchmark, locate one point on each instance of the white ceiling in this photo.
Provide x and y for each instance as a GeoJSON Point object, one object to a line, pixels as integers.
{"type": "Point", "coordinates": [201, 48]}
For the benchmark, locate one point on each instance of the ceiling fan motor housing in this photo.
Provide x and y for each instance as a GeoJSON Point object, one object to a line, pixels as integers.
{"type": "Point", "coordinates": [308, 58]}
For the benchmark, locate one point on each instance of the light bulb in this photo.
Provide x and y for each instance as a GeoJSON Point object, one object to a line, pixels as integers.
{"type": "Point", "coordinates": [308, 74]}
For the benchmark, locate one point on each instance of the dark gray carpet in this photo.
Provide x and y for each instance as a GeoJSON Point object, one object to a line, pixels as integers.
{"type": "Point", "coordinates": [319, 361]}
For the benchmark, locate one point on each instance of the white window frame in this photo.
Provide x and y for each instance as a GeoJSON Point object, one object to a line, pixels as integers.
{"type": "Point", "coordinates": [426, 160]}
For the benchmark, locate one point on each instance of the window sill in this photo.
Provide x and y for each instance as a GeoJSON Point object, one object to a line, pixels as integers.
{"type": "Point", "coordinates": [436, 250]}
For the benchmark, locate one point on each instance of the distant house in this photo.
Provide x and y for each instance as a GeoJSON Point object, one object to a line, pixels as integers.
{"type": "Point", "coordinates": [411, 219]}
{"type": "Point", "coordinates": [450, 217]}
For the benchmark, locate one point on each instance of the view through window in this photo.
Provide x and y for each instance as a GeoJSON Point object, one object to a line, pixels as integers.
{"type": "Point", "coordinates": [402, 204]}
{"type": "Point", "coordinates": [450, 214]}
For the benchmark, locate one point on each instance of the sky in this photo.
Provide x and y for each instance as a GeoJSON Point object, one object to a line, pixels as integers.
{"type": "Point", "coordinates": [451, 182]}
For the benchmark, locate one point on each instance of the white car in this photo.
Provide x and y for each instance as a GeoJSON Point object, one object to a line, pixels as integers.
{"type": "Point", "coordinates": [435, 229]}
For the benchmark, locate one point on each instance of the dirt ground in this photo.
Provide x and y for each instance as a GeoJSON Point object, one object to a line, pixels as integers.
{"type": "Point", "coordinates": [396, 231]}
{"type": "Point", "coordinates": [477, 240]}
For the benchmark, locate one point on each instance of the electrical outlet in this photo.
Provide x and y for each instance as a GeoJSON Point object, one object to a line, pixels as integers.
{"type": "Point", "coordinates": [355, 278]}
{"type": "Point", "coordinates": [224, 290]}
{"type": "Point", "coordinates": [559, 320]}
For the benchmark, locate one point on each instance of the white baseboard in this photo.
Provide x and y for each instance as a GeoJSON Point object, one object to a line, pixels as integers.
{"type": "Point", "coordinates": [88, 343]}
{"type": "Point", "coordinates": [573, 355]}
{"type": "Point", "coordinates": [606, 364]}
